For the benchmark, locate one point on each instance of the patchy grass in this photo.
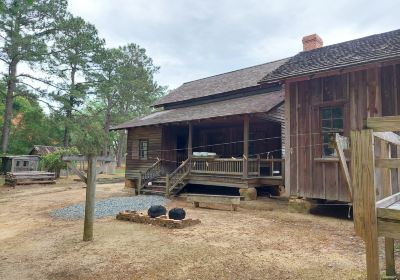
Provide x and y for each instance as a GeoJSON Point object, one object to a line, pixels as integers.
{"type": "Point", "coordinates": [120, 170]}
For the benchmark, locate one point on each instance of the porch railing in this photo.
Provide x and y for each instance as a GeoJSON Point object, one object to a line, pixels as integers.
{"type": "Point", "coordinates": [151, 173]}
{"type": "Point", "coordinates": [233, 166]}
{"type": "Point", "coordinates": [176, 177]}
{"type": "Point", "coordinates": [224, 166]}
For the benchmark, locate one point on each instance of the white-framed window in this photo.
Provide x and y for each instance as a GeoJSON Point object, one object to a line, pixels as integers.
{"type": "Point", "coordinates": [331, 123]}
{"type": "Point", "coordinates": [143, 149]}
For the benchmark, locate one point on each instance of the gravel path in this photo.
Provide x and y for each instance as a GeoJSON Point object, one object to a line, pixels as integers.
{"type": "Point", "coordinates": [110, 207]}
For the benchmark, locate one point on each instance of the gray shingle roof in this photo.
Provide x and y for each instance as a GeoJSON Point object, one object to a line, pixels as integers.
{"type": "Point", "coordinates": [235, 80]}
{"type": "Point", "coordinates": [44, 150]}
{"type": "Point", "coordinates": [245, 105]}
{"type": "Point", "coordinates": [369, 49]}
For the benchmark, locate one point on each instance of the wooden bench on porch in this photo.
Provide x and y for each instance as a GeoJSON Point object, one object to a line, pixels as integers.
{"type": "Point", "coordinates": [196, 199]}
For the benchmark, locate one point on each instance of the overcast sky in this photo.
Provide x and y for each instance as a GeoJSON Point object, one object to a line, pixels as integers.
{"type": "Point", "coordinates": [196, 39]}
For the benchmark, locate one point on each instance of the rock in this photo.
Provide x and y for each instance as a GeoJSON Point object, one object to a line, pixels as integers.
{"type": "Point", "coordinates": [156, 211]}
{"type": "Point", "coordinates": [299, 205]}
{"type": "Point", "coordinates": [248, 194]}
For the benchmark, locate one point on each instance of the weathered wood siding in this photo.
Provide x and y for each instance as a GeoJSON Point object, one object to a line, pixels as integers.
{"type": "Point", "coordinates": [154, 136]}
{"type": "Point", "coordinates": [370, 92]}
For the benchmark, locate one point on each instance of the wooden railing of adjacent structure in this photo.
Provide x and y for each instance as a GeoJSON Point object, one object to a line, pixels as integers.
{"type": "Point", "coordinates": [177, 177]}
{"type": "Point", "coordinates": [376, 218]}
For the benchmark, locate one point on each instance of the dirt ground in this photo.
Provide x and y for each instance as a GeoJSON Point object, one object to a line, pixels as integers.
{"type": "Point", "coordinates": [260, 241]}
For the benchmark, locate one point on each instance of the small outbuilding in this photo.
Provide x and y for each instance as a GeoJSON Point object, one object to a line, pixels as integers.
{"type": "Point", "coordinates": [22, 163]}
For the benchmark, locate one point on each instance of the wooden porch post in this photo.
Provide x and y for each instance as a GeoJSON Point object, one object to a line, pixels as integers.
{"type": "Point", "coordinates": [245, 146]}
{"type": "Point", "coordinates": [190, 140]}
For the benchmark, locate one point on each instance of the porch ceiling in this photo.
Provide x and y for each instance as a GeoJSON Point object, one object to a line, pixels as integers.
{"type": "Point", "coordinates": [260, 103]}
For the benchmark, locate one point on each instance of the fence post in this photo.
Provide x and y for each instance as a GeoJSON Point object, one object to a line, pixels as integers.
{"type": "Point", "coordinates": [90, 199]}
{"type": "Point", "coordinates": [363, 183]}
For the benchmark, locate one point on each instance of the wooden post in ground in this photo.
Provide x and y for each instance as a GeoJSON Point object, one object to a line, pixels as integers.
{"type": "Point", "coordinates": [387, 191]}
{"type": "Point", "coordinates": [90, 199]}
{"type": "Point", "coordinates": [363, 182]}
{"type": "Point", "coordinates": [245, 146]}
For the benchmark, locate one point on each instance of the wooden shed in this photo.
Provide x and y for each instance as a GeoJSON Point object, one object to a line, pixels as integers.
{"type": "Point", "coordinates": [21, 163]}
{"type": "Point", "coordinates": [329, 90]}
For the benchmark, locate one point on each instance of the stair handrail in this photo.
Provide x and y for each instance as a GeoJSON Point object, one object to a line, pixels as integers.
{"type": "Point", "coordinates": [173, 179]}
{"type": "Point", "coordinates": [151, 173]}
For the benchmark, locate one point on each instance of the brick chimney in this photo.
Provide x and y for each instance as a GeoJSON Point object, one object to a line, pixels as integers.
{"type": "Point", "coordinates": [311, 42]}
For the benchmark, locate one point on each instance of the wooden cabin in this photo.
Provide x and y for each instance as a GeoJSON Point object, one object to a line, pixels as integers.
{"type": "Point", "coordinates": [329, 90]}
{"type": "Point", "coordinates": [223, 131]}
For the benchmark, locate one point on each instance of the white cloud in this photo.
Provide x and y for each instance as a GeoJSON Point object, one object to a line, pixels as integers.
{"type": "Point", "coordinates": [191, 39]}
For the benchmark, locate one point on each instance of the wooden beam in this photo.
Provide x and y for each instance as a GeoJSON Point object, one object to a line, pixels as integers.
{"type": "Point", "coordinates": [286, 168]}
{"type": "Point", "coordinates": [387, 162]}
{"type": "Point", "coordinates": [77, 172]}
{"type": "Point", "coordinates": [84, 158]}
{"type": "Point", "coordinates": [383, 203]}
{"type": "Point", "coordinates": [246, 129]}
{"type": "Point", "coordinates": [190, 140]}
{"type": "Point", "coordinates": [386, 192]}
{"type": "Point", "coordinates": [390, 137]}
{"type": "Point", "coordinates": [391, 123]}
{"type": "Point", "coordinates": [342, 143]}
{"type": "Point", "coordinates": [363, 182]}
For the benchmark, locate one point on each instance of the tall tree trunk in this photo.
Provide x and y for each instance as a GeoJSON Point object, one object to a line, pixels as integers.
{"type": "Point", "coordinates": [120, 148]}
{"type": "Point", "coordinates": [69, 108]}
{"type": "Point", "coordinates": [107, 124]}
{"type": "Point", "coordinates": [11, 85]}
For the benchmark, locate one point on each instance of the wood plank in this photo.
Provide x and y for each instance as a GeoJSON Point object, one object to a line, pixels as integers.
{"type": "Point", "coordinates": [389, 123]}
{"type": "Point", "coordinates": [219, 199]}
{"type": "Point", "coordinates": [387, 213]}
{"type": "Point", "coordinates": [77, 172]}
{"type": "Point", "coordinates": [363, 181]}
{"type": "Point", "coordinates": [386, 192]}
{"type": "Point", "coordinates": [386, 202]}
{"type": "Point", "coordinates": [389, 228]}
{"type": "Point", "coordinates": [84, 158]}
{"type": "Point", "coordinates": [340, 144]}
{"type": "Point", "coordinates": [387, 162]}
{"type": "Point", "coordinates": [390, 137]}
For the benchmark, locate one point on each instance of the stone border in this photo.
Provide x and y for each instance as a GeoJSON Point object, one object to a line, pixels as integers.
{"type": "Point", "coordinates": [163, 221]}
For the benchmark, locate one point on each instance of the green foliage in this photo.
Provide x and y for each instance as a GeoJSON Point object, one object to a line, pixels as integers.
{"type": "Point", "coordinates": [76, 44]}
{"type": "Point", "coordinates": [26, 26]}
{"type": "Point", "coordinates": [31, 126]}
{"type": "Point", "coordinates": [89, 135]}
{"type": "Point", "coordinates": [52, 162]}
{"type": "Point", "coordinates": [88, 88]}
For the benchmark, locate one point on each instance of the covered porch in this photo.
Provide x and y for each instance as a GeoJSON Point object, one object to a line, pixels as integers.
{"type": "Point", "coordinates": [231, 142]}
{"type": "Point", "coordinates": [239, 151]}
